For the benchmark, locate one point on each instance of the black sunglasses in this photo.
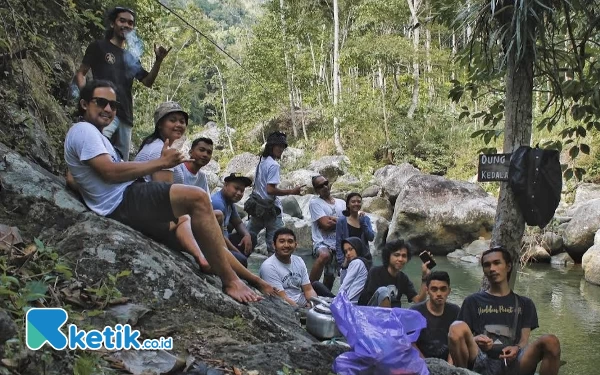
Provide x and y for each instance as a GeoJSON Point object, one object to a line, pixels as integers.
{"type": "Point", "coordinates": [326, 183]}
{"type": "Point", "coordinates": [102, 102]}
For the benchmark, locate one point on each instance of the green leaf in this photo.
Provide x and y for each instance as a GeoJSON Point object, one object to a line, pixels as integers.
{"type": "Point", "coordinates": [124, 273]}
{"type": "Point", "coordinates": [573, 152]}
{"type": "Point", "coordinates": [35, 290]}
{"type": "Point", "coordinates": [584, 148]}
{"type": "Point", "coordinates": [581, 131]}
{"type": "Point", "coordinates": [463, 115]}
{"type": "Point", "coordinates": [568, 174]}
{"type": "Point", "coordinates": [94, 313]}
{"type": "Point", "coordinates": [39, 244]}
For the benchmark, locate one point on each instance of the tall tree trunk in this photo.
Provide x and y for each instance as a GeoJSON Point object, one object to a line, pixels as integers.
{"type": "Point", "coordinates": [302, 117]}
{"type": "Point", "coordinates": [224, 109]}
{"type": "Point", "coordinates": [385, 124]}
{"type": "Point", "coordinates": [431, 90]}
{"type": "Point", "coordinates": [336, 78]}
{"type": "Point", "coordinates": [317, 79]}
{"type": "Point", "coordinates": [288, 69]}
{"type": "Point", "coordinates": [414, 8]}
{"type": "Point", "coordinates": [509, 224]}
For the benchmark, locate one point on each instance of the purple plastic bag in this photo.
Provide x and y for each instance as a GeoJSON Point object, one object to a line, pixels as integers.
{"type": "Point", "coordinates": [381, 339]}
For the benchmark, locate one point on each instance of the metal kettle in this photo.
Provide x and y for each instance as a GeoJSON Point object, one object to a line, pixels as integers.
{"type": "Point", "coordinates": [320, 322]}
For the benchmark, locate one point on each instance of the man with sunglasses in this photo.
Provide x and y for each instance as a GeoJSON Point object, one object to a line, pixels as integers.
{"type": "Point", "coordinates": [492, 333]}
{"type": "Point", "coordinates": [324, 213]}
{"type": "Point", "coordinates": [107, 185]}
{"type": "Point", "coordinates": [109, 60]}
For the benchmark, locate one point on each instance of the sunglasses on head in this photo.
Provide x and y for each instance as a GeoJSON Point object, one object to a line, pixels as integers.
{"type": "Point", "coordinates": [102, 102]}
{"type": "Point", "coordinates": [326, 183]}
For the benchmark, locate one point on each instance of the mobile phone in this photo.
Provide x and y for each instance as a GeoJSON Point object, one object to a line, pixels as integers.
{"type": "Point", "coordinates": [426, 257]}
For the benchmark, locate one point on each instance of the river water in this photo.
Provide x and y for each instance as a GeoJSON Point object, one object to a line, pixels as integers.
{"type": "Point", "coordinates": [567, 306]}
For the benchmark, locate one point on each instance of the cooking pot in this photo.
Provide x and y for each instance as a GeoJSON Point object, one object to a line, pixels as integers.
{"type": "Point", "coordinates": [320, 322]}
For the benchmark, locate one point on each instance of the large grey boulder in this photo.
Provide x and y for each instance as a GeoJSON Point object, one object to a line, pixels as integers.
{"type": "Point", "coordinates": [392, 178]}
{"type": "Point", "coordinates": [215, 132]}
{"type": "Point", "coordinates": [291, 207]}
{"type": "Point", "coordinates": [477, 247]}
{"type": "Point", "coordinates": [212, 167]}
{"type": "Point", "coordinates": [579, 232]}
{"type": "Point", "coordinates": [244, 163]}
{"type": "Point", "coordinates": [304, 203]}
{"type": "Point", "coordinates": [591, 262]}
{"type": "Point", "coordinates": [552, 242]}
{"type": "Point", "coordinates": [291, 156]}
{"type": "Point", "coordinates": [378, 205]}
{"type": "Point", "coordinates": [440, 214]}
{"type": "Point", "coordinates": [331, 167]}
{"type": "Point", "coordinates": [298, 178]}
{"type": "Point", "coordinates": [371, 191]}
{"type": "Point", "coordinates": [586, 192]}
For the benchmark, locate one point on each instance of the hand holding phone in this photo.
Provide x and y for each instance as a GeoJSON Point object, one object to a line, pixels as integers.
{"type": "Point", "coordinates": [426, 257]}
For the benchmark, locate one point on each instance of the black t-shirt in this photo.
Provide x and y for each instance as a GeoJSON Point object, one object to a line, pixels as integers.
{"type": "Point", "coordinates": [354, 232]}
{"type": "Point", "coordinates": [433, 340]}
{"type": "Point", "coordinates": [378, 277]}
{"type": "Point", "coordinates": [119, 66]}
{"type": "Point", "coordinates": [481, 309]}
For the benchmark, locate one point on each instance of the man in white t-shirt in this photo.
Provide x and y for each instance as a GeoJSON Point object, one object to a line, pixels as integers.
{"type": "Point", "coordinates": [201, 154]}
{"type": "Point", "coordinates": [286, 272]}
{"type": "Point", "coordinates": [265, 185]}
{"type": "Point", "coordinates": [324, 212]}
{"type": "Point", "coordinates": [107, 185]}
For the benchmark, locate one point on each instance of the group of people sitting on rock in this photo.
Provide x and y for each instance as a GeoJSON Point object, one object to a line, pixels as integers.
{"type": "Point", "coordinates": [164, 194]}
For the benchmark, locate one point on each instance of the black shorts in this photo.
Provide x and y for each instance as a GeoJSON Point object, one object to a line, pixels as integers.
{"type": "Point", "coordinates": [146, 207]}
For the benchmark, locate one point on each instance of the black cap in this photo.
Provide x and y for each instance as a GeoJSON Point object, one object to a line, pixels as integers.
{"type": "Point", "coordinates": [238, 177]}
{"type": "Point", "coordinates": [277, 138]}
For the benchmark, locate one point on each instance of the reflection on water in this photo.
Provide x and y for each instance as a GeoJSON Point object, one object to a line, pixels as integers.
{"type": "Point", "coordinates": [567, 306]}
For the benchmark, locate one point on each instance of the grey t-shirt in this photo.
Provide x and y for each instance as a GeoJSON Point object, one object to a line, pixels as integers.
{"type": "Point", "coordinates": [82, 143]}
{"type": "Point", "coordinates": [354, 280]}
{"type": "Point", "coordinates": [287, 277]}
{"type": "Point", "coordinates": [184, 176]}
{"type": "Point", "coordinates": [268, 173]}
{"type": "Point", "coordinates": [318, 209]}
{"type": "Point", "coordinates": [152, 151]}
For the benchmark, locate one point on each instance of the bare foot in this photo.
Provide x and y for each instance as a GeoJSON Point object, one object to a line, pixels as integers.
{"type": "Point", "coordinates": [266, 288]}
{"type": "Point", "coordinates": [240, 292]}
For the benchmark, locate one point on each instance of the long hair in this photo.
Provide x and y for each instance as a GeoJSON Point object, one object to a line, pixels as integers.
{"type": "Point", "coordinates": [87, 92]}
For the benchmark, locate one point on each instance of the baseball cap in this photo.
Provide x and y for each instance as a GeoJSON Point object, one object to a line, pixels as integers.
{"type": "Point", "coordinates": [166, 108]}
{"type": "Point", "coordinates": [238, 177]}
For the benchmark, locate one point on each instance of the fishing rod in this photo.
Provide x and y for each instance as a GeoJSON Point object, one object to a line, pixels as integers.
{"type": "Point", "coordinates": [210, 40]}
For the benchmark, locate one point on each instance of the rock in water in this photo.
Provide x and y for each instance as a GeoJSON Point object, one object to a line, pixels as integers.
{"type": "Point", "coordinates": [392, 178]}
{"type": "Point", "coordinates": [591, 262]}
{"type": "Point", "coordinates": [244, 163]}
{"type": "Point", "coordinates": [579, 232]}
{"type": "Point", "coordinates": [440, 214]}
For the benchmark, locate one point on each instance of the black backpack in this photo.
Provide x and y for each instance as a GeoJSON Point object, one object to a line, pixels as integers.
{"type": "Point", "coordinates": [535, 178]}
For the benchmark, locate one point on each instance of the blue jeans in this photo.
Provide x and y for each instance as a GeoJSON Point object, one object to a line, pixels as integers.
{"type": "Point", "coordinates": [255, 225]}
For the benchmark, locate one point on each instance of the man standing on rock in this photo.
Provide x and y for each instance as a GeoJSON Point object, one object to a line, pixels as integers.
{"type": "Point", "coordinates": [241, 242]}
{"type": "Point", "coordinates": [324, 213]}
{"type": "Point", "coordinates": [109, 188]}
{"type": "Point", "coordinates": [440, 314]}
{"type": "Point", "coordinates": [492, 334]}
{"type": "Point", "coordinates": [109, 60]}
{"type": "Point", "coordinates": [266, 183]}
{"type": "Point", "coordinates": [287, 272]}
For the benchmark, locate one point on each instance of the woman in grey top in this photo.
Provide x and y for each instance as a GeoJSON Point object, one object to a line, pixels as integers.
{"type": "Point", "coordinates": [356, 266]}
